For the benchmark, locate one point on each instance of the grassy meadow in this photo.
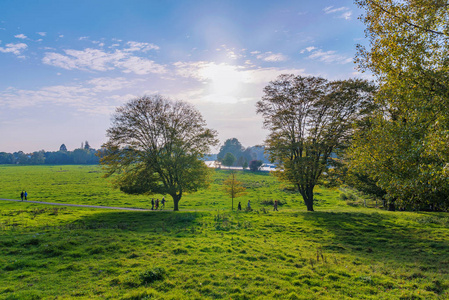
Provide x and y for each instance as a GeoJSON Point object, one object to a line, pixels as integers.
{"type": "Point", "coordinates": [206, 251]}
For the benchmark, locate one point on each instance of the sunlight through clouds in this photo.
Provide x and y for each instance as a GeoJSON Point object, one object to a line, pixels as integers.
{"type": "Point", "coordinates": [216, 57]}
{"type": "Point", "coordinates": [226, 83]}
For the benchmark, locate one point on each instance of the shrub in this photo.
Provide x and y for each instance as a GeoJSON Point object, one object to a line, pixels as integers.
{"type": "Point", "coordinates": [348, 196]}
{"type": "Point", "coordinates": [255, 165]}
{"type": "Point", "coordinates": [152, 275]}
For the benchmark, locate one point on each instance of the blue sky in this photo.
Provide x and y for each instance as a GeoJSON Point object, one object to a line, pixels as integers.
{"type": "Point", "coordinates": [66, 65]}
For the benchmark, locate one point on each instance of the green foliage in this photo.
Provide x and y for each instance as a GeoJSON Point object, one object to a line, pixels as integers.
{"type": "Point", "coordinates": [232, 146]}
{"type": "Point", "coordinates": [152, 275]}
{"type": "Point", "coordinates": [228, 159]}
{"type": "Point", "coordinates": [255, 165]}
{"type": "Point", "coordinates": [404, 150]}
{"type": "Point", "coordinates": [309, 118]}
{"type": "Point", "coordinates": [155, 146]}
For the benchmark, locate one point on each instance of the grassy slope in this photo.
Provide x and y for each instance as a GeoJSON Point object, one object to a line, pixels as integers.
{"type": "Point", "coordinates": [336, 252]}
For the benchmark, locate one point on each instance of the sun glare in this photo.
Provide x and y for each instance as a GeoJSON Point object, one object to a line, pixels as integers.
{"type": "Point", "coordinates": [225, 81]}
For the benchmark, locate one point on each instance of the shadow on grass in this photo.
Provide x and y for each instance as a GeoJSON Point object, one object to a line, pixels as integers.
{"type": "Point", "coordinates": [403, 238]}
{"type": "Point", "coordinates": [165, 221]}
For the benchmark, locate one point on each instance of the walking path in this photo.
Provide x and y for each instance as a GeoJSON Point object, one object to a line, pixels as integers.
{"type": "Point", "coordinates": [78, 205]}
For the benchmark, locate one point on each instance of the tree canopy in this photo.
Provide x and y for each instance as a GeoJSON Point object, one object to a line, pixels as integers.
{"type": "Point", "coordinates": [228, 159]}
{"type": "Point", "coordinates": [405, 148]}
{"type": "Point", "coordinates": [155, 145]}
{"type": "Point", "coordinates": [308, 118]}
{"type": "Point", "coordinates": [243, 155]}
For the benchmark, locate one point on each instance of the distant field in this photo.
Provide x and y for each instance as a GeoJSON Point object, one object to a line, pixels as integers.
{"type": "Point", "coordinates": [207, 251]}
{"type": "Point", "coordinates": [84, 185]}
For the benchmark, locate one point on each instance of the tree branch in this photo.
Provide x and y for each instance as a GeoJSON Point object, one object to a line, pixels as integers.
{"type": "Point", "coordinates": [406, 21]}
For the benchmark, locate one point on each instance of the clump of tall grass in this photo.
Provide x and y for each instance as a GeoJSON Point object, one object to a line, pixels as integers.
{"type": "Point", "coordinates": [152, 275]}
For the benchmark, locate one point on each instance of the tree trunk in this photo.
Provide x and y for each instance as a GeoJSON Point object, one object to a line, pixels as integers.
{"type": "Point", "coordinates": [176, 199]}
{"type": "Point", "coordinates": [391, 206]}
{"type": "Point", "coordinates": [307, 195]}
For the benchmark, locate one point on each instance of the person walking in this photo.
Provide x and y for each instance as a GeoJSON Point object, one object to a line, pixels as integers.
{"type": "Point", "coordinates": [163, 202]}
{"type": "Point", "coordinates": [157, 204]}
{"type": "Point", "coordinates": [239, 207]}
{"type": "Point", "coordinates": [249, 205]}
{"type": "Point", "coordinates": [26, 195]}
{"type": "Point", "coordinates": [21, 195]}
{"type": "Point", "coordinates": [275, 206]}
{"type": "Point", "coordinates": [152, 203]}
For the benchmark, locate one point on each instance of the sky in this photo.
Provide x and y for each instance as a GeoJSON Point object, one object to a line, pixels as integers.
{"type": "Point", "coordinates": [65, 66]}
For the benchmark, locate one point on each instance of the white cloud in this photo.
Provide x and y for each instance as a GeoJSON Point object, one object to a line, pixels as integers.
{"type": "Point", "coordinates": [232, 53]}
{"type": "Point", "coordinates": [97, 96]}
{"type": "Point", "coordinates": [272, 57]}
{"type": "Point", "coordinates": [140, 66]}
{"type": "Point", "coordinates": [67, 95]}
{"type": "Point", "coordinates": [144, 47]}
{"type": "Point", "coordinates": [99, 60]}
{"type": "Point", "coordinates": [20, 36]}
{"type": "Point", "coordinates": [308, 49]}
{"type": "Point", "coordinates": [346, 15]}
{"type": "Point", "coordinates": [343, 12]}
{"type": "Point", "coordinates": [16, 49]}
{"type": "Point", "coordinates": [100, 44]}
{"type": "Point", "coordinates": [108, 83]}
{"type": "Point", "coordinates": [83, 38]}
{"type": "Point", "coordinates": [42, 33]}
{"type": "Point", "coordinates": [329, 57]}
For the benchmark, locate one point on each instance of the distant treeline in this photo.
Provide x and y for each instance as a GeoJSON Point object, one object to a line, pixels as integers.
{"type": "Point", "coordinates": [82, 156]}
{"type": "Point", "coordinates": [89, 156]}
{"type": "Point", "coordinates": [241, 155]}
{"type": "Point", "coordinates": [75, 157]}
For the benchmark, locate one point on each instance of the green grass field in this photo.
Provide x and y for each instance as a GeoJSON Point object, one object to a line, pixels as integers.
{"type": "Point", "coordinates": [205, 251]}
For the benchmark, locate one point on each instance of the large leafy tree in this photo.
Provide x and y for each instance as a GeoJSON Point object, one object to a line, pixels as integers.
{"type": "Point", "coordinates": [232, 146]}
{"type": "Point", "coordinates": [228, 159]}
{"type": "Point", "coordinates": [405, 150]}
{"type": "Point", "coordinates": [308, 118]}
{"type": "Point", "coordinates": [155, 145]}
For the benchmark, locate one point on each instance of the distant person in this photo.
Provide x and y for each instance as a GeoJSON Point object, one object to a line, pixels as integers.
{"type": "Point", "coordinates": [239, 207]}
{"type": "Point", "coordinates": [21, 195]}
{"type": "Point", "coordinates": [157, 204]}
{"type": "Point", "coordinates": [152, 203]}
{"type": "Point", "coordinates": [26, 195]}
{"type": "Point", "coordinates": [249, 205]}
{"type": "Point", "coordinates": [163, 202]}
{"type": "Point", "coordinates": [275, 206]}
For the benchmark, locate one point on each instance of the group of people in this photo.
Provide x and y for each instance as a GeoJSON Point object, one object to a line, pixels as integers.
{"type": "Point", "coordinates": [275, 205]}
{"type": "Point", "coordinates": [248, 207]}
{"type": "Point", "coordinates": [24, 195]}
{"type": "Point", "coordinates": [155, 203]}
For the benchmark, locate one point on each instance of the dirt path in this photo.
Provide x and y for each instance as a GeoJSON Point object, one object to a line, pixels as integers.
{"type": "Point", "coordinates": [79, 205]}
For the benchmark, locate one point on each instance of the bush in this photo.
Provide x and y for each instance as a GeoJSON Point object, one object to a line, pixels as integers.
{"type": "Point", "coordinates": [348, 196]}
{"type": "Point", "coordinates": [255, 165]}
{"type": "Point", "coordinates": [152, 275]}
